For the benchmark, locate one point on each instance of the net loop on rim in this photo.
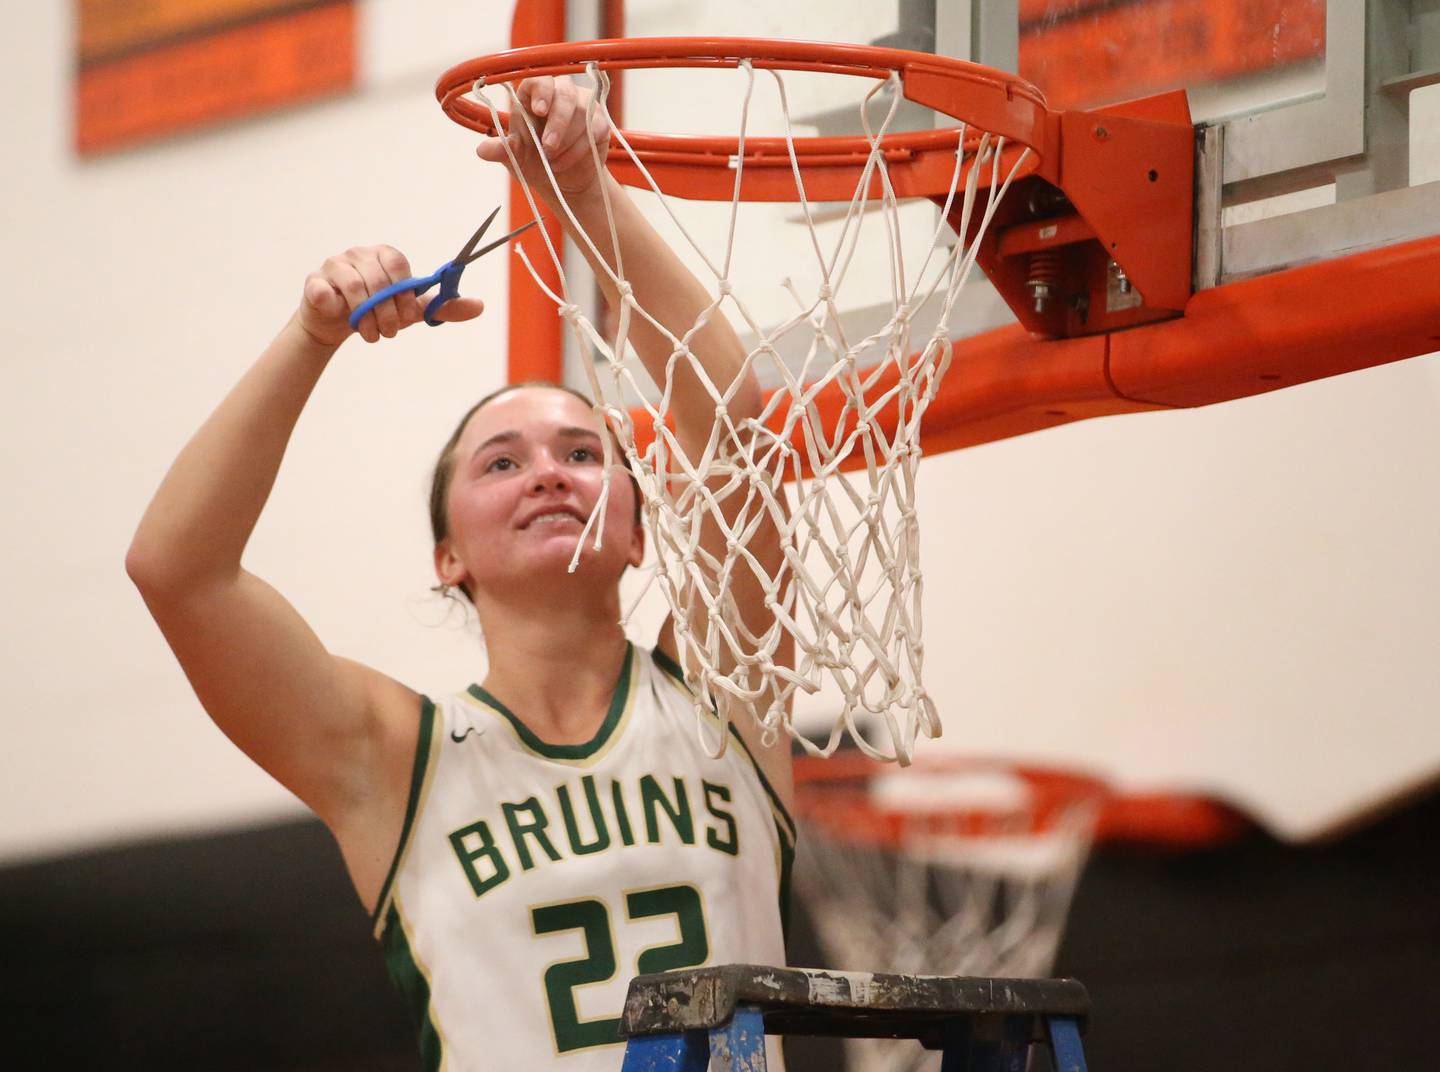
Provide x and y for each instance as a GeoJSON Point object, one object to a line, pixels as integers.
{"type": "Point", "coordinates": [849, 586]}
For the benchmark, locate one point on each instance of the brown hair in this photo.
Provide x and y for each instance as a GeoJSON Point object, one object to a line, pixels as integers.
{"type": "Point", "coordinates": [445, 464]}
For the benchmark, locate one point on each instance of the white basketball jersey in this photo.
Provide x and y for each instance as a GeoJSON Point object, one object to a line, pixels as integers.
{"type": "Point", "coordinates": [532, 881]}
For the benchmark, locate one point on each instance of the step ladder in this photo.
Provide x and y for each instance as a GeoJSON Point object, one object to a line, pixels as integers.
{"type": "Point", "coordinates": [717, 1018]}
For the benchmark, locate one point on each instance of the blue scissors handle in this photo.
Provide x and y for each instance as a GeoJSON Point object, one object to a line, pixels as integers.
{"type": "Point", "coordinates": [447, 275]}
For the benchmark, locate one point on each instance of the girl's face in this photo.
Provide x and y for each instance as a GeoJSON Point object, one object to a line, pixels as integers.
{"type": "Point", "coordinates": [527, 471]}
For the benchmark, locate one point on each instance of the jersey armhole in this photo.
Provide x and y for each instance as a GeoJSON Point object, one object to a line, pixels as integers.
{"type": "Point", "coordinates": [419, 773]}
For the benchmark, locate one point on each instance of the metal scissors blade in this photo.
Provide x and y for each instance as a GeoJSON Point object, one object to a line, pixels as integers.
{"type": "Point", "coordinates": [465, 256]}
{"type": "Point", "coordinates": [466, 259]}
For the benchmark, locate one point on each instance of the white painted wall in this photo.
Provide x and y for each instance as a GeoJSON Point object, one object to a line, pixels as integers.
{"type": "Point", "coordinates": [137, 290]}
{"type": "Point", "coordinates": [1240, 599]}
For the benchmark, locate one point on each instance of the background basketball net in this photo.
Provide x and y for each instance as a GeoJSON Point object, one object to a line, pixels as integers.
{"type": "Point", "coordinates": [849, 590]}
{"type": "Point", "coordinates": [955, 867]}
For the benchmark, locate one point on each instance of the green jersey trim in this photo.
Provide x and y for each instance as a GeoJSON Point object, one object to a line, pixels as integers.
{"type": "Point", "coordinates": [419, 777]}
{"type": "Point", "coordinates": [570, 753]}
{"type": "Point", "coordinates": [785, 827]}
{"type": "Point", "coordinates": [784, 824]}
{"type": "Point", "coordinates": [412, 981]}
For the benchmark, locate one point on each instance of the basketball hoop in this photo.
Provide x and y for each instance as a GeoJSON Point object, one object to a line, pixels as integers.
{"type": "Point", "coordinates": [849, 591]}
{"type": "Point", "coordinates": [919, 163]}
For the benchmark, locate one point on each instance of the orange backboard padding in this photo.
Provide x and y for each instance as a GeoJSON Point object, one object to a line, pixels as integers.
{"type": "Point", "coordinates": [1291, 327]}
{"type": "Point", "coordinates": [1007, 382]}
{"type": "Point", "coordinates": [1233, 341]}
{"type": "Point", "coordinates": [197, 82]}
{"type": "Point", "coordinates": [1002, 383]}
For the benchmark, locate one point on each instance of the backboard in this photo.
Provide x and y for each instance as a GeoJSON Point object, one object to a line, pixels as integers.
{"type": "Point", "coordinates": [1315, 244]}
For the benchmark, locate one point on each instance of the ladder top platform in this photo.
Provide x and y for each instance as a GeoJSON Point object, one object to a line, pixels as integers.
{"type": "Point", "coordinates": [810, 1001]}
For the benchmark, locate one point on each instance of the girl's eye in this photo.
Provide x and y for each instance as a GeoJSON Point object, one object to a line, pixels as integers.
{"type": "Point", "coordinates": [582, 454]}
{"type": "Point", "coordinates": [500, 463]}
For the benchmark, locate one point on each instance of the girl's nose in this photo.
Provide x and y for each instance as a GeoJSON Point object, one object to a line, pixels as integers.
{"type": "Point", "coordinates": [547, 473]}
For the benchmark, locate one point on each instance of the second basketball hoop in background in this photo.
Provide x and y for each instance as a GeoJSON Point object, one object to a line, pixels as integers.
{"type": "Point", "coordinates": [954, 867]}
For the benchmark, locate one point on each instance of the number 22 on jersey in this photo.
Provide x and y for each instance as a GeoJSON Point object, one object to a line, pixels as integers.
{"type": "Point", "coordinates": [592, 919]}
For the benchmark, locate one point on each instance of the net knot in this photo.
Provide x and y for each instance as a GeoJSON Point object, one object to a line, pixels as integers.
{"type": "Point", "coordinates": [569, 310]}
{"type": "Point", "coordinates": [725, 288]}
{"type": "Point", "coordinates": [826, 292]}
{"type": "Point", "coordinates": [625, 290]}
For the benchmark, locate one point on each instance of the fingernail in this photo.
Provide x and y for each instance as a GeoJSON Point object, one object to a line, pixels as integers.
{"type": "Point", "coordinates": [552, 139]}
{"type": "Point", "coordinates": [541, 107]}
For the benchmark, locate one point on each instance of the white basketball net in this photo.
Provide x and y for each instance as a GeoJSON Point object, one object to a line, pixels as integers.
{"type": "Point", "coordinates": [849, 589]}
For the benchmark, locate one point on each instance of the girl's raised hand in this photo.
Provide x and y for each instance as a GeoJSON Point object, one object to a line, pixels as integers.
{"type": "Point", "coordinates": [347, 279]}
{"type": "Point", "coordinates": [559, 112]}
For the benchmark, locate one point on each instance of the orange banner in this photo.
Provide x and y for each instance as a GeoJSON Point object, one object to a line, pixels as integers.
{"type": "Point", "coordinates": [196, 82]}
{"type": "Point", "coordinates": [109, 28]}
{"type": "Point", "coordinates": [1100, 55]}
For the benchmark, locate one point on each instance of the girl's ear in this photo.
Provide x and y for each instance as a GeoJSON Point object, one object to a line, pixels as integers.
{"type": "Point", "coordinates": [637, 547]}
{"type": "Point", "coordinates": [448, 567]}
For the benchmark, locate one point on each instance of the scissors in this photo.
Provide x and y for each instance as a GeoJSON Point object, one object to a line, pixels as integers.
{"type": "Point", "coordinates": [447, 275]}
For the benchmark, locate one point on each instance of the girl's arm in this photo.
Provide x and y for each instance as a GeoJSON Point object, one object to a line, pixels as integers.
{"type": "Point", "coordinates": [670, 293]}
{"type": "Point", "coordinates": [306, 716]}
